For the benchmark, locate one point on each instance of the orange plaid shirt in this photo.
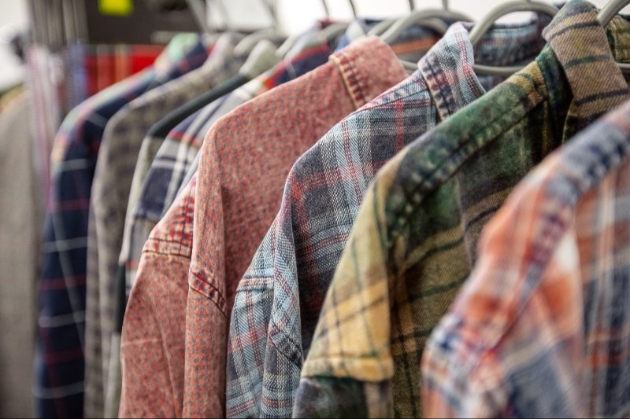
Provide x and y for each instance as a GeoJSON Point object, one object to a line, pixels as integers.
{"type": "Point", "coordinates": [542, 326]}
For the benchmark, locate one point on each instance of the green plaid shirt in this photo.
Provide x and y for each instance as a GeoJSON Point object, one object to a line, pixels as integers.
{"type": "Point", "coordinates": [415, 239]}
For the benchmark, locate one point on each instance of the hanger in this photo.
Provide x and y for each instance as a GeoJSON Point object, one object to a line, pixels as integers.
{"type": "Point", "coordinates": [353, 7]}
{"type": "Point", "coordinates": [272, 8]}
{"type": "Point", "coordinates": [608, 12]}
{"type": "Point", "coordinates": [417, 17]}
{"type": "Point", "coordinates": [326, 9]}
{"type": "Point", "coordinates": [330, 32]}
{"type": "Point", "coordinates": [334, 30]}
{"type": "Point", "coordinates": [436, 24]}
{"type": "Point", "coordinates": [504, 9]}
{"type": "Point", "coordinates": [272, 34]}
{"type": "Point", "coordinates": [198, 9]}
{"type": "Point", "coordinates": [247, 43]}
{"type": "Point", "coordinates": [381, 27]}
{"type": "Point", "coordinates": [432, 18]}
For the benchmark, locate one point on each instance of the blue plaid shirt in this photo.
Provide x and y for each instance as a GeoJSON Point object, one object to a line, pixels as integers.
{"type": "Point", "coordinates": [59, 362]}
{"type": "Point", "coordinates": [279, 299]}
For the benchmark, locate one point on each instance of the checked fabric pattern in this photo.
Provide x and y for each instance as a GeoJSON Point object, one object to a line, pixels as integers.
{"type": "Point", "coordinates": [554, 345]}
{"type": "Point", "coordinates": [117, 161]}
{"type": "Point", "coordinates": [264, 59]}
{"type": "Point", "coordinates": [166, 174]}
{"type": "Point", "coordinates": [59, 362]}
{"type": "Point", "coordinates": [278, 300]}
{"type": "Point", "coordinates": [239, 191]}
{"type": "Point", "coordinates": [118, 157]}
{"type": "Point", "coordinates": [161, 286]}
{"type": "Point", "coordinates": [415, 238]}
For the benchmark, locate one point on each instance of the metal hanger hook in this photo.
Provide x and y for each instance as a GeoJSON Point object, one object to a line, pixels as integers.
{"type": "Point", "coordinates": [610, 10]}
{"type": "Point", "coordinates": [272, 9]}
{"type": "Point", "coordinates": [412, 5]}
{"type": "Point", "coordinates": [326, 9]}
{"type": "Point", "coordinates": [198, 9]}
{"type": "Point", "coordinates": [354, 8]}
{"type": "Point", "coordinates": [445, 4]}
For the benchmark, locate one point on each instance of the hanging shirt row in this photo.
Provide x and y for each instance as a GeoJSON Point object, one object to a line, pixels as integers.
{"type": "Point", "coordinates": [304, 229]}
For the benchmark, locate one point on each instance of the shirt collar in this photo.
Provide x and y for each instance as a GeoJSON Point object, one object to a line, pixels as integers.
{"type": "Point", "coordinates": [182, 54]}
{"type": "Point", "coordinates": [448, 67]}
{"type": "Point", "coordinates": [583, 50]}
{"type": "Point", "coordinates": [366, 66]}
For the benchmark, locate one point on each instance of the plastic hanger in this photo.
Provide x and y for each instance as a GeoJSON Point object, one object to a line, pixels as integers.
{"type": "Point", "coordinates": [608, 12]}
{"type": "Point", "coordinates": [198, 9]}
{"type": "Point", "coordinates": [291, 40]}
{"type": "Point", "coordinates": [417, 17]}
{"type": "Point", "coordinates": [247, 43]}
{"type": "Point", "coordinates": [329, 33]}
{"type": "Point", "coordinates": [271, 34]}
{"type": "Point", "coordinates": [381, 27]}
{"type": "Point", "coordinates": [504, 9]}
{"type": "Point", "coordinates": [432, 18]}
{"type": "Point", "coordinates": [353, 7]}
{"type": "Point", "coordinates": [436, 24]}
{"type": "Point", "coordinates": [326, 9]}
{"type": "Point", "coordinates": [333, 31]}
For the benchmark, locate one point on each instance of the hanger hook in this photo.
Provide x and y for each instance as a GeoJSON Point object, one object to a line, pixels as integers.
{"type": "Point", "coordinates": [326, 9]}
{"type": "Point", "coordinates": [445, 4]}
{"type": "Point", "coordinates": [412, 5]}
{"type": "Point", "coordinates": [272, 8]}
{"type": "Point", "coordinates": [354, 8]}
{"type": "Point", "coordinates": [199, 14]}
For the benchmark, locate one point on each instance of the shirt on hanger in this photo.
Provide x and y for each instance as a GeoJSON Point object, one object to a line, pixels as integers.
{"type": "Point", "coordinates": [117, 159]}
{"type": "Point", "coordinates": [307, 40]}
{"type": "Point", "coordinates": [59, 364]}
{"type": "Point", "coordinates": [261, 57]}
{"type": "Point", "coordinates": [415, 237]}
{"type": "Point", "coordinates": [174, 159]}
{"type": "Point", "coordinates": [153, 339]}
{"type": "Point", "coordinates": [264, 58]}
{"type": "Point", "coordinates": [280, 296]}
{"type": "Point", "coordinates": [21, 227]}
{"type": "Point", "coordinates": [540, 327]}
{"type": "Point", "coordinates": [176, 162]}
{"type": "Point", "coordinates": [240, 188]}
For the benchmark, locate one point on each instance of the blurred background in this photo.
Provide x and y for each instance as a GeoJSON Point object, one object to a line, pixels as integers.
{"type": "Point", "coordinates": [292, 16]}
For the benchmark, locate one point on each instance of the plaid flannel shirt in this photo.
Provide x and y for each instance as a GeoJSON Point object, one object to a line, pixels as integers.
{"type": "Point", "coordinates": [280, 296]}
{"type": "Point", "coordinates": [59, 363]}
{"type": "Point", "coordinates": [415, 237]}
{"type": "Point", "coordinates": [166, 174]}
{"type": "Point", "coordinates": [540, 329]}
{"type": "Point", "coordinates": [117, 159]}
{"type": "Point", "coordinates": [181, 145]}
{"type": "Point", "coordinates": [182, 158]}
{"type": "Point", "coordinates": [153, 338]}
{"type": "Point", "coordinates": [240, 187]}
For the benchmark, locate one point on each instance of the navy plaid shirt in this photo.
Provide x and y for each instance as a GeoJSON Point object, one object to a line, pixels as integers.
{"type": "Point", "coordinates": [59, 362]}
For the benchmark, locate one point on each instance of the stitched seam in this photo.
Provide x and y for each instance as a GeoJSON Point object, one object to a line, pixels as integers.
{"type": "Point", "coordinates": [219, 296]}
